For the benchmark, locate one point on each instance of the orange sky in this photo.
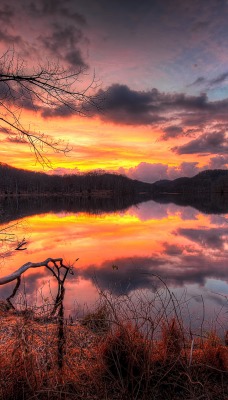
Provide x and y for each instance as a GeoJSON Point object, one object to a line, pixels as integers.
{"type": "Point", "coordinates": [94, 144]}
{"type": "Point", "coordinates": [161, 68]}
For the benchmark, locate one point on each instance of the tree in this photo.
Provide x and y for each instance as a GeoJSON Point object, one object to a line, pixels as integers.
{"type": "Point", "coordinates": [44, 88]}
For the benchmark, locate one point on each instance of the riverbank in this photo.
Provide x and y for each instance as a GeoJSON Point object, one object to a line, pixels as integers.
{"type": "Point", "coordinates": [106, 357]}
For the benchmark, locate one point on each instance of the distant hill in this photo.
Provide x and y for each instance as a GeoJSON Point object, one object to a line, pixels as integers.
{"type": "Point", "coordinates": [206, 191]}
{"type": "Point", "coordinates": [205, 182]}
{"type": "Point", "coordinates": [20, 182]}
{"type": "Point", "coordinates": [104, 192]}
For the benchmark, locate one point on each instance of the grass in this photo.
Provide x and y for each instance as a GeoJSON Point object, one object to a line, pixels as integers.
{"type": "Point", "coordinates": [128, 348]}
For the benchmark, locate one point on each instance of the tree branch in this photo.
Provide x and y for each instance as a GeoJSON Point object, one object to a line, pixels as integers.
{"type": "Point", "coordinates": [45, 89]}
{"type": "Point", "coordinates": [16, 274]}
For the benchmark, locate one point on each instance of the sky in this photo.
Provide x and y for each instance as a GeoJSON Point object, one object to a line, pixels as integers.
{"type": "Point", "coordinates": [161, 68]}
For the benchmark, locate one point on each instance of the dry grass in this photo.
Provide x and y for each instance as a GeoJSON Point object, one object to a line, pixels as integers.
{"type": "Point", "coordinates": [133, 349]}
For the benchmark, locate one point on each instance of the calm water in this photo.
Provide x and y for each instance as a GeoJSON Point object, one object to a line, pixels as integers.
{"type": "Point", "coordinates": [187, 248]}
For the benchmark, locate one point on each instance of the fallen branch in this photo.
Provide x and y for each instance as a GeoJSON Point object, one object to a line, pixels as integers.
{"type": "Point", "coordinates": [16, 274]}
{"type": "Point", "coordinates": [55, 265]}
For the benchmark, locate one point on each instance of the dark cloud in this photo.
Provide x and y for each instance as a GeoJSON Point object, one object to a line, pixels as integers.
{"type": "Point", "coordinates": [56, 30]}
{"type": "Point", "coordinates": [13, 94]}
{"type": "Point", "coordinates": [214, 238]}
{"type": "Point", "coordinates": [131, 274]}
{"type": "Point", "coordinates": [9, 39]}
{"type": "Point", "coordinates": [172, 132]}
{"type": "Point", "coordinates": [126, 106]}
{"type": "Point", "coordinates": [172, 249]}
{"type": "Point", "coordinates": [214, 142]}
{"type": "Point", "coordinates": [64, 41]}
{"type": "Point", "coordinates": [177, 266]}
{"type": "Point", "coordinates": [210, 82]}
{"type": "Point", "coordinates": [6, 14]}
{"type": "Point", "coordinates": [75, 58]}
{"type": "Point", "coordinates": [199, 81]}
{"type": "Point", "coordinates": [44, 8]}
{"type": "Point", "coordinates": [62, 37]}
{"type": "Point", "coordinates": [220, 79]}
{"type": "Point", "coordinates": [64, 111]}
{"type": "Point", "coordinates": [18, 140]}
{"type": "Point", "coordinates": [32, 283]}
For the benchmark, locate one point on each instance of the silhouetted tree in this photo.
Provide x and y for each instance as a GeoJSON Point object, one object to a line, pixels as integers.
{"type": "Point", "coordinates": [44, 88]}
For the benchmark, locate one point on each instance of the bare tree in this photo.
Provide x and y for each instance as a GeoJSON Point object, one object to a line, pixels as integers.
{"type": "Point", "coordinates": [46, 89]}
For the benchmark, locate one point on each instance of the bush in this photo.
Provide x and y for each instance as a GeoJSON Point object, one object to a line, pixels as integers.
{"type": "Point", "coordinates": [97, 321]}
{"type": "Point", "coordinates": [126, 359]}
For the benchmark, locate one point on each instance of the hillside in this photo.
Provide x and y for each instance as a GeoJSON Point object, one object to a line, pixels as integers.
{"type": "Point", "coordinates": [205, 182]}
{"type": "Point", "coordinates": [98, 193]}
{"type": "Point", "coordinates": [21, 182]}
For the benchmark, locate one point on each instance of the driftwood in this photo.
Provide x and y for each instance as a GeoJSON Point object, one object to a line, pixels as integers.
{"type": "Point", "coordinates": [57, 268]}
{"type": "Point", "coordinates": [60, 272]}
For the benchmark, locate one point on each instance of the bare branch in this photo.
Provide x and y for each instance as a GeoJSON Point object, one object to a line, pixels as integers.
{"type": "Point", "coordinates": [16, 274]}
{"type": "Point", "coordinates": [45, 89]}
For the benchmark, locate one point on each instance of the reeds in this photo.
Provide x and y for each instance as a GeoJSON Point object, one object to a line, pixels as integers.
{"type": "Point", "coordinates": [131, 347]}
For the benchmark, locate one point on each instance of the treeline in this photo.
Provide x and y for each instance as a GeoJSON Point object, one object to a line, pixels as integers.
{"type": "Point", "coordinates": [209, 181]}
{"type": "Point", "coordinates": [15, 181]}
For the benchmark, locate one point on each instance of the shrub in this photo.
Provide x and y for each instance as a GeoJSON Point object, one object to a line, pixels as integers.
{"type": "Point", "coordinates": [172, 339]}
{"type": "Point", "coordinates": [97, 321]}
{"type": "Point", "coordinates": [126, 359]}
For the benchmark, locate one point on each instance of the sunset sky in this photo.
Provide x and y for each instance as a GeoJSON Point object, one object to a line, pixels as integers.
{"type": "Point", "coordinates": [161, 66]}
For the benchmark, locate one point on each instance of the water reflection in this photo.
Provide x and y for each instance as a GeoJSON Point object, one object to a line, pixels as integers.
{"type": "Point", "coordinates": [186, 248]}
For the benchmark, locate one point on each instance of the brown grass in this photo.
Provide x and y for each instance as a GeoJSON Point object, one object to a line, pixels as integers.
{"type": "Point", "coordinates": [120, 351]}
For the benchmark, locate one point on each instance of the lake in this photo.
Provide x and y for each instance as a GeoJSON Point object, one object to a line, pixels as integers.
{"type": "Point", "coordinates": [123, 251]}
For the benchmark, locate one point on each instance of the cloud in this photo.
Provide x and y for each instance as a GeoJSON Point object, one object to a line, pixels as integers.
{"type": "Point", "coordinates": [64, 111]}
{"type": "Point", "coordinates": [172, 131]}
{"type": "Point", "coordinates": [172, 249]}
{"type": "Point", "coordinates": [150, 210]}
{"type": "Point", "coordinates": [15, 139]}
{"type": "Point", "coordinates": [214, 238]}
{"type": "Point", "coordinates": [214, 142]}
{"type": "Point", "coordinates": [220, 79]}
{"type": "Point", "coordinates": [218, 162]}
{"type": "Point", "coordinates": [63, 41]}
{"type": "Point", "coordinates": [123, 105]}
{"type": "Point", "coordinates": [56, 30]}
{"type": "Point", "coordinates": [150, 173]}
{"type": "Point", "coordinates": [14, 96]}
{"type": "Point", "coordinates": [75, 58]}
{"type": "Point", "coordinates": [143, 272]}
{"type": "Point", "coordinates": [9, 39]}
{"type": "Point", "coordinates": [6, 14]}
{"type": "Point", "coordinates": [64, 171]}
{"type": "Point", "coordinates": [210, 82]}
{"type": "Point", "coordinates": [44, 8]}
{"type": "Point", "coordinates": [199, 81]}
{"type": "Point", "coordinates": [132, 274]}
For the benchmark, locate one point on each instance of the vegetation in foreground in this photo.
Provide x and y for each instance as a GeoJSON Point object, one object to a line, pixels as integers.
{"type": "Point", "coordinates": [124, 349]}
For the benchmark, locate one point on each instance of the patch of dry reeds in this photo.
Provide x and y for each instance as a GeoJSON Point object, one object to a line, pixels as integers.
{"type": "Point", "coordinates": [131, 347]}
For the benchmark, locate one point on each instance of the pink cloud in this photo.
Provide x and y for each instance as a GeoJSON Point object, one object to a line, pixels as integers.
{"type": "Point", "coordinates": [150, 173]}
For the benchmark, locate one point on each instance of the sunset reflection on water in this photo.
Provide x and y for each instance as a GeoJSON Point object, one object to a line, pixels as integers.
{"type": "Point", "coordinates": [186, 248]}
